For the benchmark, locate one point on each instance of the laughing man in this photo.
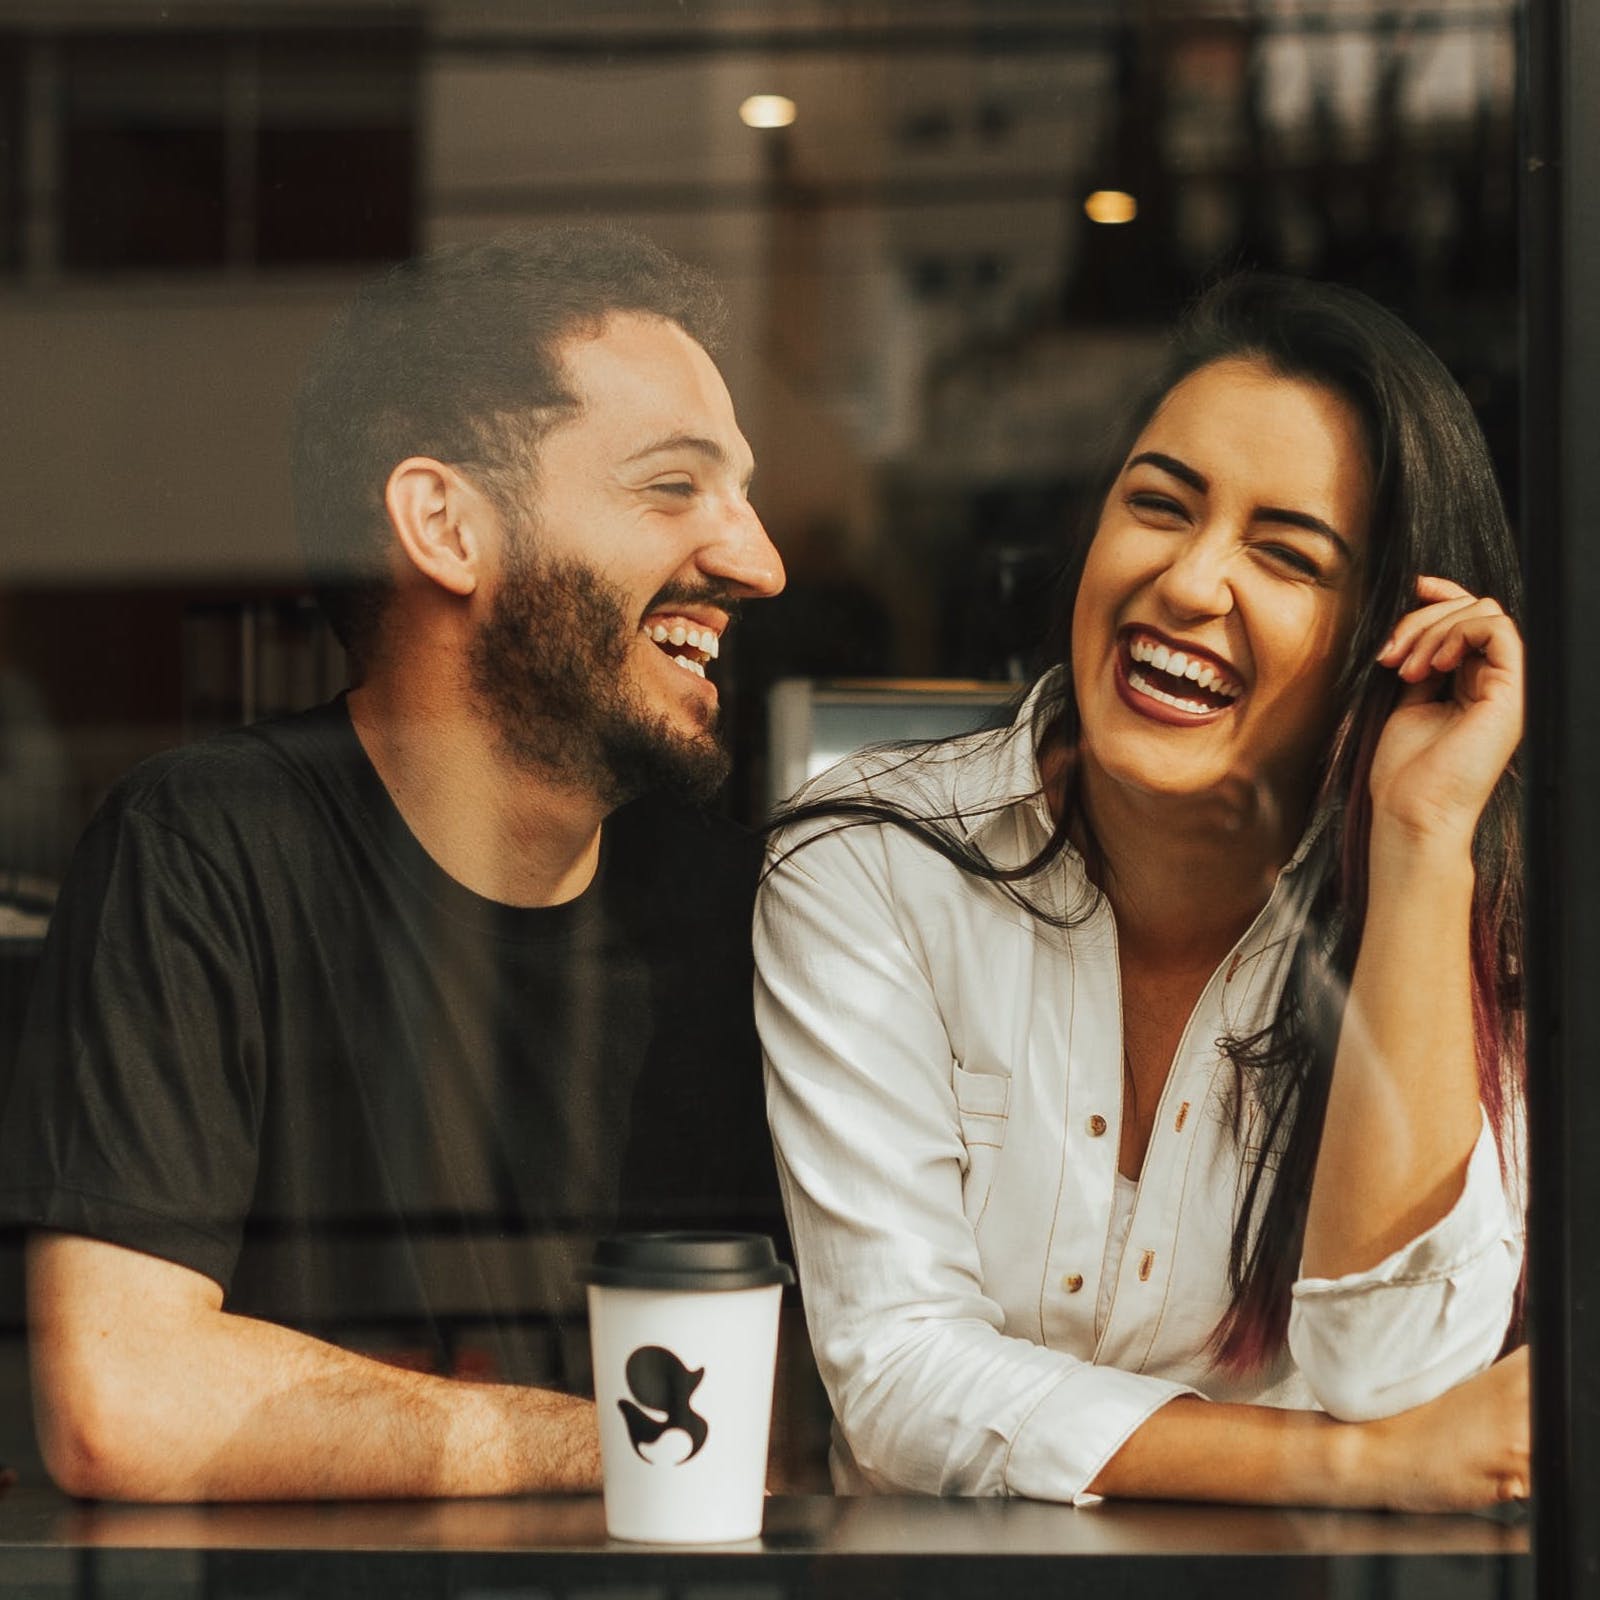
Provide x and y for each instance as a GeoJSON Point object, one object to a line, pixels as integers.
{"type": "Point", "coordinates": [358, 1024]}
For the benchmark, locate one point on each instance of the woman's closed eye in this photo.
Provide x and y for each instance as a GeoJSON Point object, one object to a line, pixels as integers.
{"type": "Point", "coordinates": [1151, 505]}
{"type": "Point", "coordinates": [1295, 560]}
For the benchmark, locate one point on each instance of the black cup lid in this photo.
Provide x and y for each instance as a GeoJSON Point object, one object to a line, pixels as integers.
{"type": "Point", "coordinates": [693, 1261]}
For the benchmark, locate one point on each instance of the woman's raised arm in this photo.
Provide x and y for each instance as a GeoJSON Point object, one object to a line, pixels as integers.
{"type": "Point", "coordinates": [1407, 1163]}
{"type": "Point", "coordinates": [1403, 1112]}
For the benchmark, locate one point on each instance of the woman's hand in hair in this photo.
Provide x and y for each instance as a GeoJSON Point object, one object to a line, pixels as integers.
{"type": "Point", "coordinates": [1458, 719]}
{"type": "Point", "coordinates": [1468, 1448]}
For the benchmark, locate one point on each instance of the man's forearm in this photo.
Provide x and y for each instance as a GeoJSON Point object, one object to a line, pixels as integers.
{"type": "Point", "coordinates": [142, 1394]}
{"type": "Point", "coordinates": [284, 1416]}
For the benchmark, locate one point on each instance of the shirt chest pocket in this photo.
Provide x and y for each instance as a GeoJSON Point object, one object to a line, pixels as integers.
{"type": "Point", "coordinates": [983, 1100]}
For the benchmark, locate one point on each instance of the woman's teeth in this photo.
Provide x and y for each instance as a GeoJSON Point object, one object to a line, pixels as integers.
{"type": "Point", "coordinates": [1144, 686]}
{"type": "Point", "coordinates": [1180, 668]}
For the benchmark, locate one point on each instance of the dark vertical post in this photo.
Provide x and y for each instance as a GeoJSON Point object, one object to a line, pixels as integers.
{"type": "Point", "coordinates": [1561, 534]}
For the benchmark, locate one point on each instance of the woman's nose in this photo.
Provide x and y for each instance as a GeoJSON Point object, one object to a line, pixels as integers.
{"type": "Point", "coordinates": [1196, 582]}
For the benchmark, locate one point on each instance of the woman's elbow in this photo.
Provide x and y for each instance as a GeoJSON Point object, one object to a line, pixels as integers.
{"type": "Point", "coordinates": [1349, 1396]}
{"type": "Point", "coordinates": [885, 1432]}
{"type": "Point", "coordinates": [902, 1440]}
{"type": "Point", "coordinates": [1371, 1373]}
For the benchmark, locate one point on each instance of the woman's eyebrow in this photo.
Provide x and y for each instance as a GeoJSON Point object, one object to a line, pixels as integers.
{"type": "Point", "coordinates": [1304, 519]}
{"type": "Point", "coordinates": [1184, 473]}
{"type": "Point", "coordinates": [1181, 470]}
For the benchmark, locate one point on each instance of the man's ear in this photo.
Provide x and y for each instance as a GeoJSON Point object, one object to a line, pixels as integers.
{"type": "Point", "coordinates": [440, 521]}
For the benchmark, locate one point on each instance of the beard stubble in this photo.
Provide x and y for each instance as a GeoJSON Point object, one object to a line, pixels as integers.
{"type": "Point", "coordinates": [550, 665]}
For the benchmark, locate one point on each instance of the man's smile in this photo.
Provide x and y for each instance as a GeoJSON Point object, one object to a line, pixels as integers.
{"type": "Point", "coordinates": [688, 643]}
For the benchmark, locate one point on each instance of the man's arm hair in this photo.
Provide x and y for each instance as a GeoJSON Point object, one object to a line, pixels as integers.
{"type": "Point", "coordinates": [146, 1389]}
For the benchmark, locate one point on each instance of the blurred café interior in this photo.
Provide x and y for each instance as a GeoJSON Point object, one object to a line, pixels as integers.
{"type": "Point", "coordinates": [951, 233]}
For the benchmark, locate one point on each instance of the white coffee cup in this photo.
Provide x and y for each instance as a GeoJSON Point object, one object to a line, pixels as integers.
{"type": "Point", "coordinates": [684, 1332]}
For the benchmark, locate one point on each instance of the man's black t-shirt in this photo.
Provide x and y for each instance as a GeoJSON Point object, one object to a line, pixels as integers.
{"type": "Point", "coordinates": [273, 1041]}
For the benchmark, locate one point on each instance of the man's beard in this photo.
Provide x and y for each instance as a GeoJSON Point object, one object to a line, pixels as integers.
{"type": "Point", "coordinates": [551, 666]}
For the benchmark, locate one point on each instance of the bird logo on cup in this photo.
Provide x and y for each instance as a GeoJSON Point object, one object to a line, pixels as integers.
{"type": "Point", "coordinates": [662, 1386]}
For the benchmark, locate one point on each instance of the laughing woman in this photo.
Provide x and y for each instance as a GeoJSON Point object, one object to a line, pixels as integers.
{"type": "Point", "coordinates": [1147, 1077]}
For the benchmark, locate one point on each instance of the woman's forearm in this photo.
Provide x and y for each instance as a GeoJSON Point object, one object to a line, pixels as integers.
{"type": "Point", "coordinates": [1403, 1110]}
{"type": "Point", "coordinates": [1198, 1450]}
{"type": "Point", "coordinates": [1467, 1448]}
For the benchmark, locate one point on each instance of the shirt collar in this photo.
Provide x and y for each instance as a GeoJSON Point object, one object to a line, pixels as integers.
{"type": "Point", "coordinates": [1001, 772]}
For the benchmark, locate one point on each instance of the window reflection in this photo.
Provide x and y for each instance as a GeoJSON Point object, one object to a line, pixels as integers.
{"type": "Point", "coordinates": [930, 337]}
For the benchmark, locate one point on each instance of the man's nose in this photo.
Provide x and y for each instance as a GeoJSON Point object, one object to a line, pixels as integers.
{"type": "Point", "coordinates": [741, 556]}
{"type": "Point", "coordinates": [1197, 582]}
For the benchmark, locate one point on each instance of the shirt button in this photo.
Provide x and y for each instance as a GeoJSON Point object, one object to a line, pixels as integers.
{"type": "Point", "coordinates": [1073, 1282]}
{"type": "Point", "coordinates": [1097, 1125]}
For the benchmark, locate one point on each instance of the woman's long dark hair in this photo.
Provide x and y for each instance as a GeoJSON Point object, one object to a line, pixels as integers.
{"type": "Point", "coordinates": [1436, 510]}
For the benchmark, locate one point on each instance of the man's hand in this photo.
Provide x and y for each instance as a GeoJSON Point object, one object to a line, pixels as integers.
{"type": "Point", "coordinates": [146, 1389]}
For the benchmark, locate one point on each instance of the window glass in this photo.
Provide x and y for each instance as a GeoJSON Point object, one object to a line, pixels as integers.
{"type": "Point", "coordinates": [144, 153]}
{"type": "Point", "coordinates": [951, 238]}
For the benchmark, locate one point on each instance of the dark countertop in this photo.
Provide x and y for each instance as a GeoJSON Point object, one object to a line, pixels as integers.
{"type": "Point", "coordinates": [50, 1545]}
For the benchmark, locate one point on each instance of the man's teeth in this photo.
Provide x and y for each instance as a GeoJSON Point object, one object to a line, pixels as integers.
{"type": "Point", "coordinates": [681, 633]}
{"type": "Point", "coordinates": [690, 666]}
{"type": "Point", "coordinates": [1175, 664]}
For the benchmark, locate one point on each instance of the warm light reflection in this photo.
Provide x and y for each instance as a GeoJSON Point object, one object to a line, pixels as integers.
{"type": "Point", "coordinates": [1111, 205]}
{"type": "Point", "coordinates": [767, 111]}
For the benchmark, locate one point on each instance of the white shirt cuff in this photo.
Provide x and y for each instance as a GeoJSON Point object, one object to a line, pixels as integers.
{"type": "Point", "coordinates": [1077, 1427]}
{"type": "Point", "coordinates": [1479, 1220]}
{"type": "Point", "coordinates": [1425, 1318]}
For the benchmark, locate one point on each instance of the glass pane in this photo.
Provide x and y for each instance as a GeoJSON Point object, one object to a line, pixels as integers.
{"type": "Point", "coordinates": [143, 153]}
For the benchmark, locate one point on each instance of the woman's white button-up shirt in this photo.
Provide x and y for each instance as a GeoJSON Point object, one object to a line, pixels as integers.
{"type": "Point", "coordinates": [944, 1077]}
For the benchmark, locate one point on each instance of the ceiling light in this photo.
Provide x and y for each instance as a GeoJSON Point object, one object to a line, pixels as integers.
{"type": "Point", "coordinates": [767, 111]}
{"type": "Point", "coordinates": [1111, 205]}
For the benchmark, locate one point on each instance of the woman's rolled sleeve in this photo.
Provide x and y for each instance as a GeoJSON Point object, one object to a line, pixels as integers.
{"type": "Point", "coordinates": [1423, 1320]}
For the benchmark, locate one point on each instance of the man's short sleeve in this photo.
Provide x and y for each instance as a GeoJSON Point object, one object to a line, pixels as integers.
{"type": "Point", "coordinates": [134, 1109]}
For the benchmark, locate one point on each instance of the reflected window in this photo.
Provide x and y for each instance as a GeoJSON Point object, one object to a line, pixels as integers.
{"type": "Point", "coordinates": [10, 156]}
{"type": "Point", "coordinates": [144, 153]}
{"type": "Point", "coordinates": [202, 151]}
{"type": "Point", "coordinates": [336, 148]}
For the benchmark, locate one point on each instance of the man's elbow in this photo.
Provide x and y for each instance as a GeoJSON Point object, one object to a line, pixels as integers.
{"type": "Point", "coordinates": [83, 1458]}
{"type": "Point", "coordinates": [94, 1446]}
{"type": "Point", "coordinates": [116, 1341]}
